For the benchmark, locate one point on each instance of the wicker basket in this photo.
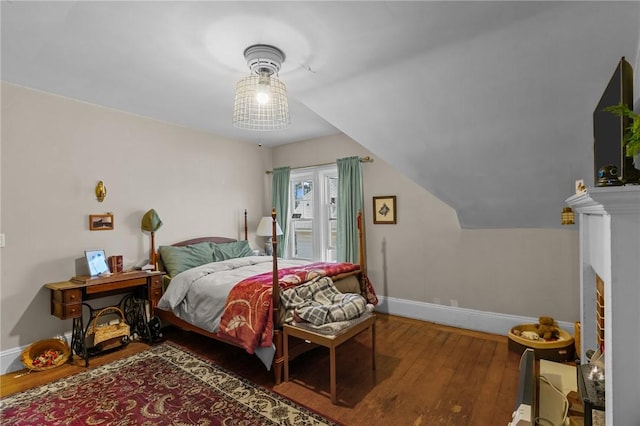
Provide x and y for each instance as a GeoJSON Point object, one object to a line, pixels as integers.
{"type": "Point", "coordinates": [560, 350]}
{"type": "Point", "coordinates": [98, 333]}
{"type": "Point", "coordinates": [33, 351]}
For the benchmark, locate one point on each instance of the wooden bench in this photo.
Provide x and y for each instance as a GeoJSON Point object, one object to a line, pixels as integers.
{"type": "Point", "coordinates": [330, 341]}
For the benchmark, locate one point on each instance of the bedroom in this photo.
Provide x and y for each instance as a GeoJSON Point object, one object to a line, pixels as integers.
{"type": "Point", "coordinates": [427, 266]}
{"type": "Point", "coordinates": [62, 174]}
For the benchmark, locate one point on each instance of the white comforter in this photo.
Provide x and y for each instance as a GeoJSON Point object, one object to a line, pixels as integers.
{"type": "Point", "coordinates": [198, 295]}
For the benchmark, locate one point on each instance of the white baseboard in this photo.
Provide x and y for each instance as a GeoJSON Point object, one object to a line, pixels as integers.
{"type": "Point", "coordinates": [470, 319]}
{"type": "Point", "coordinates": [10, 358]}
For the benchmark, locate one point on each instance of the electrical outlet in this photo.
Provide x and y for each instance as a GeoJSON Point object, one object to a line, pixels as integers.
{"type": "Point", "coordinates": [454, 303]}
{"type": "Point", "coordinates": [1, 240]}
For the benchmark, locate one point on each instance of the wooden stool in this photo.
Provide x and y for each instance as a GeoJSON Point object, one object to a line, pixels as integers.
{"type": "Point", "coordinates": [330, 341]}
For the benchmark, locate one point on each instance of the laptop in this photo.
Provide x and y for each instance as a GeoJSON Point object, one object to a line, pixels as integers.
{"type": "Point", "coordinates": [97, 262]}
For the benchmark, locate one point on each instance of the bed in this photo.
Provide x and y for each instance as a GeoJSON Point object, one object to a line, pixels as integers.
{"type": "Point", "coordinates": [243, 299]}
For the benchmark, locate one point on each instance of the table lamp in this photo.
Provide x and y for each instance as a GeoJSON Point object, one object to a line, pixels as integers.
{"type": "Point", "coordinates": [265, 230]}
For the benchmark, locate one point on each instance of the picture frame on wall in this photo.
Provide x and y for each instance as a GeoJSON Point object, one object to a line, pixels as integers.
{"type": "Point", "coordinates": [101, 222]}
{"type": "Point", "coordinates": [384, 210]}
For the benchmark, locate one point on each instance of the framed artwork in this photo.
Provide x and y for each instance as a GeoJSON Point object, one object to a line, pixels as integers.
{"type": "Point", "coordinates": [101, 222]}
{"type": "Point", "coordinates": [384, 209]}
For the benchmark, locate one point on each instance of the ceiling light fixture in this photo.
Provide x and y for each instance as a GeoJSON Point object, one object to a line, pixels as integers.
{"type": "Point", "coordinates": [261, 99]}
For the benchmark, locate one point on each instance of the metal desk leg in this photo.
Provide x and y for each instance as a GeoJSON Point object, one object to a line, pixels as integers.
{"type": "Point", "coordinates": [136, 316]}
{"type": "Point", "coordinates": [77, 341]}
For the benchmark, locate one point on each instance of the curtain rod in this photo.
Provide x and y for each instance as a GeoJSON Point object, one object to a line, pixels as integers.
{"type": "Point", "coordinates": [366, 159]}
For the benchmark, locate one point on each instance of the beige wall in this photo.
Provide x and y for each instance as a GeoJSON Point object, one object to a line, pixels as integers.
{"type": "Point", "coordinates": [426, 257]}
{"type": "Point", "coordinates": [55, 150]}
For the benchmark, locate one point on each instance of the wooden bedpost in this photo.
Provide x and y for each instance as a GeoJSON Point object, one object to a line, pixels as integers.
{"type": "Point", "coordinates": [360, 224]}
{"type": "Point", "coordinates": [275, 291]}
{"type": "Point", "coordinates": [246, 228]}
{"type": "Point", "coordinates": [278, 360]}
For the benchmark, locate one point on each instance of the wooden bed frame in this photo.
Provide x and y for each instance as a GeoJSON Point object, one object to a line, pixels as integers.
{"type": "Point", "coordinates": [167, 317]}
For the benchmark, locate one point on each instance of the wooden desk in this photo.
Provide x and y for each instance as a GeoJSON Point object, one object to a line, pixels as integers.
{"type": "Point", "coordinates": [68, 297]}
{"type": "Point", "coordinates": [330, 341]}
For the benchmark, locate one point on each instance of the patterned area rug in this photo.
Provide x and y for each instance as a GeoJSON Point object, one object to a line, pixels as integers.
{"type": "Point", "coordinates": [165, 385]}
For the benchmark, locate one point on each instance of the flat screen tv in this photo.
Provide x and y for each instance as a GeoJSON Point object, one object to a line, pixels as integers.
{"type": "Point", "coordinates": [609, 129]}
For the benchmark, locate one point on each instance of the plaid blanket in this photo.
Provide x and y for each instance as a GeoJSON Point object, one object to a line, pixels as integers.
{"type": "Point", "coordinates": [319, 302]}
{"type": "Point", "coordinates": [247, 317]}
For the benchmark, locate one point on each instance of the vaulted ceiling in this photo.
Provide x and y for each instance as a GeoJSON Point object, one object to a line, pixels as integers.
{"type": "Point", "coordinates": [487, 105]}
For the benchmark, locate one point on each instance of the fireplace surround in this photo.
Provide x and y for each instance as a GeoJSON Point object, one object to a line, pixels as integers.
{"type": "Point", "coordinates": [609, 219]}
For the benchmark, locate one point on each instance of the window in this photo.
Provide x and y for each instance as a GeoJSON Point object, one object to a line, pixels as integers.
{"type": "Point", "coordinates": [312, 206]}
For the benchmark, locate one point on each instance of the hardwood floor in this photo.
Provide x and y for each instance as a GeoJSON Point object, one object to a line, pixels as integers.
{"type": "Point", "coordinates": [426, 374]}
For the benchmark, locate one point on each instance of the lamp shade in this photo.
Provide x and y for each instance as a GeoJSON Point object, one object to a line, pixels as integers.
{"type": "Point", "coordinates": [264, 227]}
{"type": "Point", "coordinates": [251, 112]}
{"type": "Point", "coordinates": [151, 221]}
{"type": "Point", "coordinates": [261, 98]}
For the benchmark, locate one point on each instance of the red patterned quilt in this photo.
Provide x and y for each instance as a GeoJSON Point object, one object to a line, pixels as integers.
{"type": "Point", "coordinates": [247, 318]}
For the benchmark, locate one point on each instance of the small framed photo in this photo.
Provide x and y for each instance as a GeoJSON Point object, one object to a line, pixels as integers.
{"type": "Point", "coordinates": [97, 262]}
{"type": "Point", "coordinates": [101, 222]}
{"type": "Point", "coordinates": [384, 209]}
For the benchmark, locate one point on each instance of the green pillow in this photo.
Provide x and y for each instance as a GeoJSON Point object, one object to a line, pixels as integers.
{"type": "Point", "coordinates": [178, 259]}
{"type": "Point", "coordinates": [233, 250]}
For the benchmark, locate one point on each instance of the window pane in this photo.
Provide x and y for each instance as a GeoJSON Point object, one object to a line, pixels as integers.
{"type": "Point", "coordinates": [313, 207]}
{"type": "Point", "coordinates": [303, 199]}
{"type": "Point", "coordinates": [302, 239]}
{"type": "Point", "coordinates": [332, 252]}
{"type": "Point", "coordinates": [333, 197]}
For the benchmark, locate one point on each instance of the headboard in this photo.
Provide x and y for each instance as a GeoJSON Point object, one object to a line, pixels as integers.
{"type": "Point", "coordinates": [161, 266]}
{"type": "Point", "coordinates": [217, 240]}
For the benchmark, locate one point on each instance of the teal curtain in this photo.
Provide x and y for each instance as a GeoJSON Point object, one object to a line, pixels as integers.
{"type": "Point", "coordinates": [349, 204]}
{"type": "Point", "coordinates": [280, 198]}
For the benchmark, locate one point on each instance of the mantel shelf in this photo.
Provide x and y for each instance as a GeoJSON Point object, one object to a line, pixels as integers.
{"type": "Point", "coordinates": [607, 200]}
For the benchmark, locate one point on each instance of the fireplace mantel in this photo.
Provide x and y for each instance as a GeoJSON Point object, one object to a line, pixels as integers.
{"type": "Point", "coordinates": [604, 200]}
{"type": "Point", "coordinates": [609, 220]}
